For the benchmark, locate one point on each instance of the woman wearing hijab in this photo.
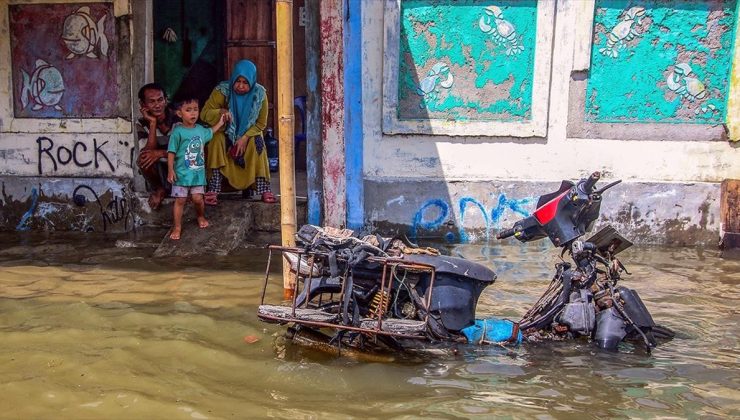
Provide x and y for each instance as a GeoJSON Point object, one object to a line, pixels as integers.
{"type": "Point", "coordinates": [238, 151]}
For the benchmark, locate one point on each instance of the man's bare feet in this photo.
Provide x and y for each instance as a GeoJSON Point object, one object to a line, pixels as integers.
{"type": "Point", "coordinates": [156, 197]}
{"type": "Point", "coordinates": [175, 234]}
{"type": "Point", "coordinates": [202, 222]}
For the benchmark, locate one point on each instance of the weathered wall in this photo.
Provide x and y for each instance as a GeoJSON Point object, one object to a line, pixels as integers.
{"type": "Point", "coordinates": [663, 64]}
{"type": "Point", "coordinates": [83, 204]}
{"type": "Point", "coordinates": [648, 212]}
{"type": "Point", "coordinates": [671, 166]}
{"type": "Point", "coordinates": [469, 71]}
{"type": "Point", "coordinates": [332, 111]}
{"type": "Point", "coordinates": [65, 115]}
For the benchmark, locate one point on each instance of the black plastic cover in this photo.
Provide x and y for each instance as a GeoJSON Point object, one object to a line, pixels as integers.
{"type": "Point", "coordinates": [610, 329]}
{"type": "Point", "coordinates": [455, 265]}
{"type": "Point", "coordinates": [634, 308]}
{"type": "Point", "coordinates": [454, 298]}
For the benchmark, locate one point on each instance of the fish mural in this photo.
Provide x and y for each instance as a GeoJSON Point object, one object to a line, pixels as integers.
{"type": "Point", "coordinates": [83, 36]}
{"type": "Point", "coordinates": [44, 86]}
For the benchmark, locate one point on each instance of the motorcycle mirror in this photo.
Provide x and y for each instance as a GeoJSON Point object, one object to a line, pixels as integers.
{"type": "Point", "coordinates": [601, 190]}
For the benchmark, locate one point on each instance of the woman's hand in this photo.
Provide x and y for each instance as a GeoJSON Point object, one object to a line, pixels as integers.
{"type": "Point", "coordinates": [226, 114]}
{"type": "Point", "coordinates": [241, 145]}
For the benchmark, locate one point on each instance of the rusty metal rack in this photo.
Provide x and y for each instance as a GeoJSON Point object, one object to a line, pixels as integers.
{"type": "Point", "coordinates": [377, 325]}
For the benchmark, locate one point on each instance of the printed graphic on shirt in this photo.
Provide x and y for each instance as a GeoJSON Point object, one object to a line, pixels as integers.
{"type": "Point", "coordinates": [194, 154]}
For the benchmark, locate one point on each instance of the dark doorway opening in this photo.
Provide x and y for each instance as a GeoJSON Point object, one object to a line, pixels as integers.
{"type": "Point", "coordinates": [188, 46]}
{"type": "Point", "coordinates": [210, 36]}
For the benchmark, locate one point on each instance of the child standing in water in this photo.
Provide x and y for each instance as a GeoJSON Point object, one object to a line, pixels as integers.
{"type": "Point", "coordinates": [186, 164]}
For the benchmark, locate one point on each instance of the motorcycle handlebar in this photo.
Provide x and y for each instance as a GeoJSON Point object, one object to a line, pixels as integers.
{"type": "Point", "coordinates": [590, 183]}
{"type": "Point", "coordinates": [506, 233]}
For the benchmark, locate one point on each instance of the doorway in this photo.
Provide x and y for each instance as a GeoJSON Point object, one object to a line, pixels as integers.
{"type": "Point", "coordinates": [197, 42]}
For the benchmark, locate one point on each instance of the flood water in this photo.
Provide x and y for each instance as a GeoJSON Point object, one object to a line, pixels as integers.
{"type": "Point", "coordinates": [93, 328]}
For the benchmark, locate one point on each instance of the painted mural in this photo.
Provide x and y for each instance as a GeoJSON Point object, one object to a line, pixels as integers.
{"type": "Point", "coordinates": [665, 61]}
{"type": "Point", "coordinates": [64, 60]}
{"type": "Point", "coordinates": [468, 60]}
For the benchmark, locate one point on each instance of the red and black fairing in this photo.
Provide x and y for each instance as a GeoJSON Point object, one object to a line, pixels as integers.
{"type": "Point", "coordinates": [562, 215]}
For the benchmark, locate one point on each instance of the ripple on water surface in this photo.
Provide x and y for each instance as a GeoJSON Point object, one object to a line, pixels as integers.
{"type": "Point", "coordinates": [98, 331]}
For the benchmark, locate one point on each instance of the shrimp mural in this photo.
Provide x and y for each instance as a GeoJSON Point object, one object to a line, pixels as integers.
{"type": "Point", "coordinates": [624, 31]}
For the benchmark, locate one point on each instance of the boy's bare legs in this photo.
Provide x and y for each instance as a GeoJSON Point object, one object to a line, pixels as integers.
{"type": "Point", "coordinates": [177, 216]}
{"type": "Point", "coordinates": [200, 209]}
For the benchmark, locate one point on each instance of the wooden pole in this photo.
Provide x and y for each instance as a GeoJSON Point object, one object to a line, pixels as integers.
{"type": "Point", "coordinates": [730, 214]}
{"type": "Point", "coordinates": [284, 12]}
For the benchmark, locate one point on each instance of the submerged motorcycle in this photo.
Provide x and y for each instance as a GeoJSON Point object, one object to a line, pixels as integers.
{"type": "Point", "coordinates": [374, 293]}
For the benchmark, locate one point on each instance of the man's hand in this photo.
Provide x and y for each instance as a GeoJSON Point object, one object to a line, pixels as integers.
{"type": "Point", "coordinates": [151, 119]}
{"type": "Point", "coordinates": [171, 177]}
{"type": "Point", "coordinates": [149, 157]}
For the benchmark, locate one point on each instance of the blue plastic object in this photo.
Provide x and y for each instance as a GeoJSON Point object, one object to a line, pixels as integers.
{"type": "Point", "coordinates": [491, 330]}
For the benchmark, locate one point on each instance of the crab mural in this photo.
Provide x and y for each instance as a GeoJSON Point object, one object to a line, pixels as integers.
{"type": "Point", "coordinates": [439, 75]}
{"type": "Point", "coordinates": [688, 87]}
{"type": "Point", "coordinates": [624, 31]}
{"type": "Point", "coordinates": [501, 30]}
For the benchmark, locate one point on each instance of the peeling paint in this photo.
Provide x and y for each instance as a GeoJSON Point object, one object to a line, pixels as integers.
{"type": "Point", "coordinates": [467, 60]}
{"type": "Point", "coordinates": [332, 111]}
{"type": "Point", "coordinates": [687, 81]}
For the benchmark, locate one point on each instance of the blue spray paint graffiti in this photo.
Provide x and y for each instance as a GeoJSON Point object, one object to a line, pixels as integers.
{"type": "Point", "coordinates": [518, 206]}
{"type": "Point", "coordinates": [27, 215]}
{"type": "Point", "coordinates": [419, 221]}
{"type": "Point", "coordinates": [463, 206]}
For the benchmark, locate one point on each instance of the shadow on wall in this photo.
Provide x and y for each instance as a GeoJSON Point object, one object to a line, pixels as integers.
{"type": "Point", "coordinates": [455, 64]}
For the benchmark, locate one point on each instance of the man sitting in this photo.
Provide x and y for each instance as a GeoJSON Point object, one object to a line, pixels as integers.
{"type": "Point", "coordinates": [153, 129]}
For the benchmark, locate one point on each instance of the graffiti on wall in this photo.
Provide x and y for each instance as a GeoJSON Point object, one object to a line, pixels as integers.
{"type": "Point", "coordinates": [116, 212]}
{"type": "Point", "coordinates": [435, 214]}
{"type": "Point", "coordinates": [51, 156]}
{"type": "Point", "coordinates": [660, 61]}
{"type": "Point", "coordinates": [467, 60]}
{"type": "Point", "coordinates": [64, 60]}
{"type": "Point", "coordinates": [99, 207]}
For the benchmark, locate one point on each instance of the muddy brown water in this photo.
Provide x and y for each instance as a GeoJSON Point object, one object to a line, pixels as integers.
{"type": "Point", "coordinates": [92, 327]}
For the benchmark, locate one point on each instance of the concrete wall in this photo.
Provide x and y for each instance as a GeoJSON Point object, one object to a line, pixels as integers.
{"type": "Point", "coordinates": [76, 140]}
{"type": "Point", "coordinates": [449, 178]}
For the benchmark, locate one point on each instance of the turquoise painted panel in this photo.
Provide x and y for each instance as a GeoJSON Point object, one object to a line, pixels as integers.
{"type": "Point", "coordinates": [466, 60]}
{"type": "Point", "coordinates": [661, 61]}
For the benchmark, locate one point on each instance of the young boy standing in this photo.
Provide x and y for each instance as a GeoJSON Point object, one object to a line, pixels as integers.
{"type": "Point", "coordinates": [186, 163]}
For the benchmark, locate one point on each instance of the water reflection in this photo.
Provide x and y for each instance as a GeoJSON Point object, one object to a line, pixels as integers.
{"type": "Point", "coordinates": [91, 330]}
